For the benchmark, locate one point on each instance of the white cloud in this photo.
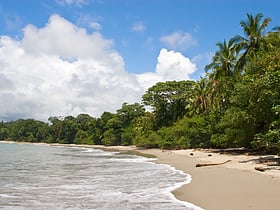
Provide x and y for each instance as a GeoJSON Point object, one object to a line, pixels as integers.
{"type": "Point", "coordinates": [178, 40]}
{"type": "Point", "coordinates": [64, 38]}
{"type": "Point", "coordinates": [138, 27]}
{"type": "Point", "coordinates": [60, 70]}
{"type": "Point", "coordinates": [171, 66]}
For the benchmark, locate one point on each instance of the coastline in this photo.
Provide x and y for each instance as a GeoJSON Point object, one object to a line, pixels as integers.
{"type": "Point", "coordinates": [233, 185]}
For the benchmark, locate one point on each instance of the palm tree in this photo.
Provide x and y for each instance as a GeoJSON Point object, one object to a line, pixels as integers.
{"type": "Point", "coordinates": [199, 99]}
{"type": "Point", "coordinates": [223, 72]}
{"type": "Point", "coordinates": [254, 30]}
{"type": "Point", "coordinates": [224, 60]}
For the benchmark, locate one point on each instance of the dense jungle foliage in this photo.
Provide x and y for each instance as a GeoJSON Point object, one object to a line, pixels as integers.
{"type": "Point", "coordinates": [236, 104]}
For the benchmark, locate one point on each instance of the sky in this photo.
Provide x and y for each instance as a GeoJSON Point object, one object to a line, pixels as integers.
{"type": "Point", "coordinates": [67, 57]}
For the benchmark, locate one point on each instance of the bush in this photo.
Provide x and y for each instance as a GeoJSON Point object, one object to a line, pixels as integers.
{"type": "Point", "coordinates": [269, 141]}
{"type": "Point", "coordinates": [219, 141]}
{"type": "Point", "coordinates": [83, 137]}
{"type": "Point", "coordinates": [236, 127]}
{"type": "Point", "coordinates": [148, 140]}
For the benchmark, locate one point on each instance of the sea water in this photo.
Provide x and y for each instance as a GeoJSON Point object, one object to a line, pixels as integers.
{"type": "Point", "coordinates": [39, 177]}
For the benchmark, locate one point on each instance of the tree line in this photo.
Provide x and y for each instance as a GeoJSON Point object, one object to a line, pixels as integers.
{"type": "Point", "coordinates": [236, 104]}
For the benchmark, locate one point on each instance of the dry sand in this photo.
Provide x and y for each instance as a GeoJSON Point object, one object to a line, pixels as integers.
{"type": "Point", "coordinates": [235, 185]}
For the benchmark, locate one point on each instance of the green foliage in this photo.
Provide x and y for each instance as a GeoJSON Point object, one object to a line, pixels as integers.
{"type": "Point", "coordinates": [237, 129]}
{"type": "Point", "coordinates": [196, 130]}
{"type": "Point", "coordinates": [143, 124]}
{"type": "Point", "coordinates": [56, 129]}
{"type": "Point", "coordinates": [129, 112]}
{"type": "Point", "coordinates": [83, 137]}
{"type": "Point", "coordinates": [110, 138]}
{"type": "Point", "coordinates": [168, 101]}
{"type": "Point", "coordinates": [142, 128]}
{"type": "Point", "coordinates": [4, 133]}
{"type": "Point", "coordinates": [253, 41]}
{"type": "Point", "coordinates": [70, 128]}
{"type": "Point", "coordinates": [86, 122]}
{"type": "Point", "coordinates": [173, 138]}
{"type": "Point", "coordinates": [196, 103]}
{"type": "Point", "coordinates": [270, 141]}
{"type": "Point", "coordinates": [147, 140]}
{"type": "Point", "coordinates": [28, 130]}
{"type": "Point", "coordinates": [127, 136]}
{"type": "Point", "coordinates": [248, 118]}
{"type": "Point", "coordinates": [112, 135]}
{"type": "Point", "coordinates": [219, 141]}
{"type": "Point", "coordinates": [186, 133]}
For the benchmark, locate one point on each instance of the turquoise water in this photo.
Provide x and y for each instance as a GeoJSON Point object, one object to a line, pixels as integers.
{"type": "Point", "coordinates": [46, 177]}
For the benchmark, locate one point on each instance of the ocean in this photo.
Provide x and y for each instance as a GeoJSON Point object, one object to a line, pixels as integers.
{"type": "Point", "coordinates": [42, 177]}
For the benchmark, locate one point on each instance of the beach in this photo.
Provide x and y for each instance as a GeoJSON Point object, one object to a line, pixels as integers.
{"type": "Point", "coordinates": [230, 186]}
{"type": "Point", "coordinates": [39, 176]}
{"type": "Point", "coordinates": [235, 184]}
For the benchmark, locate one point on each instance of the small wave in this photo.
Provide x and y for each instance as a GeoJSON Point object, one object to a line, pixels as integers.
{"type": "Point", "coordinates": [65, 177]}
{"type": "Point", "coordinates": [7, 196]}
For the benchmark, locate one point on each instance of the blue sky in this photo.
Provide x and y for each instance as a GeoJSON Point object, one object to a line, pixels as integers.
{"type": "Point", "coordinates": [120, 45]}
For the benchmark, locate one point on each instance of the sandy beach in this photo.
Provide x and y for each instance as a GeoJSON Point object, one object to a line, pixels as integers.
{"type": "Point", "coordinates": [234, 185]}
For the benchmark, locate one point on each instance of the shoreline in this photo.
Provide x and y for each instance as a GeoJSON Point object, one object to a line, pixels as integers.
{"type": "Point", "coordinates": [232, 185]}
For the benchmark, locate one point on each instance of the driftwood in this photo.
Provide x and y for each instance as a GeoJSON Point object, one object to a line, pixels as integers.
{"type": "Point", "coordinates": [261, 169]}
{"type": "Point", "coordinates": [210, 164]}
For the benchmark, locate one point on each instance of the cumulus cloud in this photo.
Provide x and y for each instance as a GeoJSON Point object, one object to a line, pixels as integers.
{"type": "Point", "coordinates": [61, 70]}
{"type": "Point", "coordinates": [61, 37]}
{"type": "Point", "coordinates": [178, 40]}
{"type": "Point", "coordinates": [171, 66]}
